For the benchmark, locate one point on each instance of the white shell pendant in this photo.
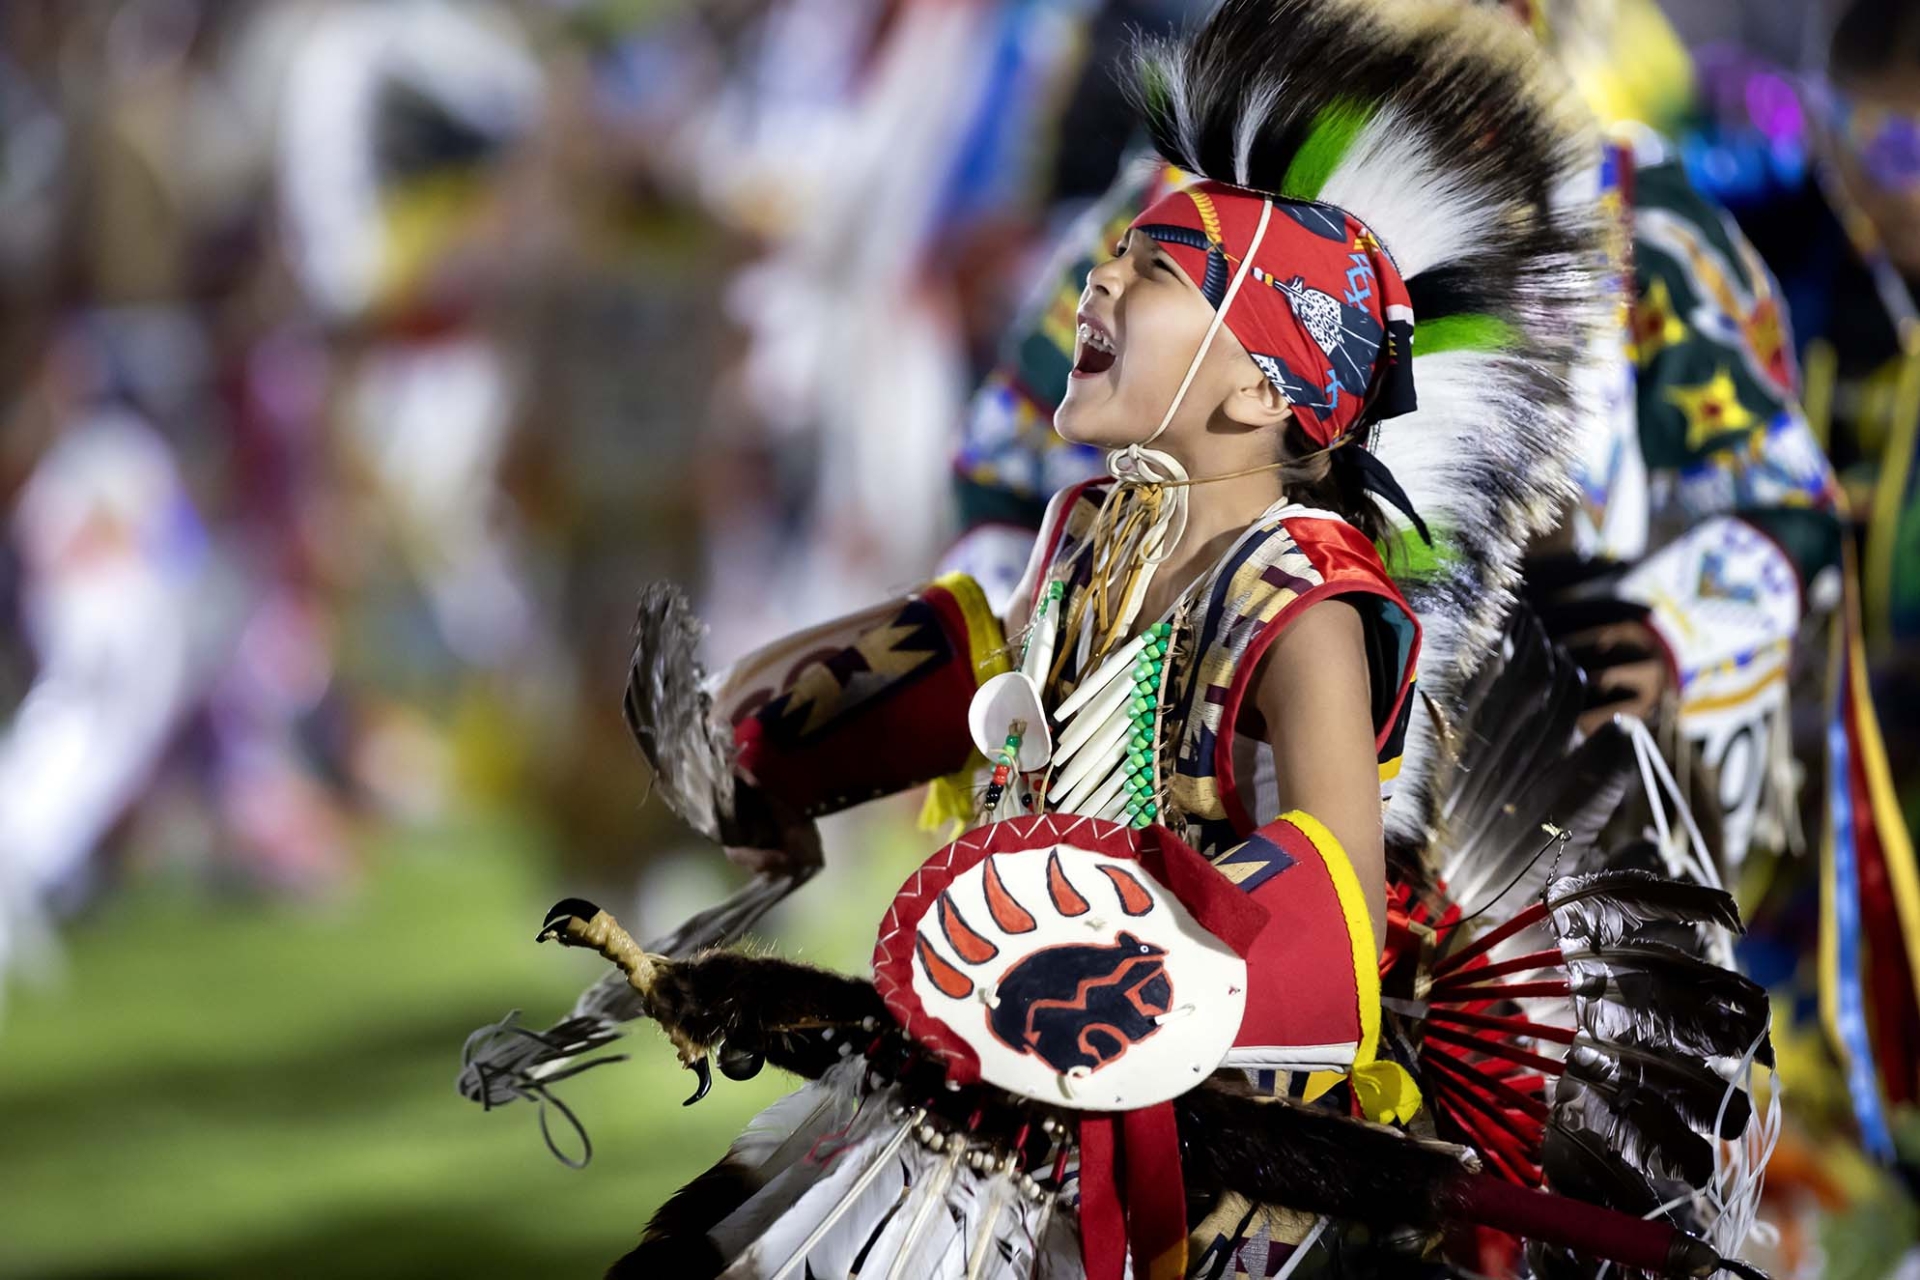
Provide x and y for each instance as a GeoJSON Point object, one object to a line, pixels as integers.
{"type": "Point", "coordinates": [1008, 699]}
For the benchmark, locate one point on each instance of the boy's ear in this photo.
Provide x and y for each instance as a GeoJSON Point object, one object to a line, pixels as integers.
{"type": "Point", "coordinates": [1256, 402]}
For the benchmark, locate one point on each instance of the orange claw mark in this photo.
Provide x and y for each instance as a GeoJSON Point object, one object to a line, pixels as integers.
{"type": "Point", "coordinates": [1066, 899]}
{"type": "Point", "coordinates": [1134, 898]}
{"type": "Point", "coordinates": [971, 947]}
{"type": "Point", "coordinates": [951, 982]}
{"type": "Point", "coordinates": [1007, 913]}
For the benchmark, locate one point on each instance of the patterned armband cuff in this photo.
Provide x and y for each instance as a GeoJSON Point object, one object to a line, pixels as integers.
{"type": "Point", "coordinates": [1313, 1000]}
{"type": "Point", "coordinates": [871, 706]}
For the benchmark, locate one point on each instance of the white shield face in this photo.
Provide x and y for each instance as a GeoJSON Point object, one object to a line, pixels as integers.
{"type": "Point", "coordinates": [1077, 979]}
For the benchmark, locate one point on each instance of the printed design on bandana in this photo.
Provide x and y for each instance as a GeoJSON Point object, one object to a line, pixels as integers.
{"type": "Point", "coordinates": [1319, 311]}
{"type": "Point", "coordinates": [1323, 307]}
{"type": "Point", "coordinates": [1213, 283]}
{"type": "Point", "coordinates": [1349, 334]}
{"type": "Point", "coordinates": [1324, 221]}
{"type": "Point", "coordinates": [1321, 398]}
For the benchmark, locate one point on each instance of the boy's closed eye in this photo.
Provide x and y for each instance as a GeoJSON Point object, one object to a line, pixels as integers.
{"type": "Point", "coordinates": [1151, 257]}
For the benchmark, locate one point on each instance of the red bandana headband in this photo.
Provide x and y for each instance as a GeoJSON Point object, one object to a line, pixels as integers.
{"type": "Point", "coordinates": [1321, 308]}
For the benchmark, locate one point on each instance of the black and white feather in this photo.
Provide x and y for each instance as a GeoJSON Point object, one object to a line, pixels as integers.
{"type": "Point", "coordinates": [670, 711]}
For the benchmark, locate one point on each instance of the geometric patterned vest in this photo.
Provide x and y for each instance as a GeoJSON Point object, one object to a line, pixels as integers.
{"type": "Point", "coordinates": [1219, 783]}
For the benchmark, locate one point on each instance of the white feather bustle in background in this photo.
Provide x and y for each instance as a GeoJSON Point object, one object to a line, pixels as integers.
{"type": "Point", "coordinates": [845, 1180]}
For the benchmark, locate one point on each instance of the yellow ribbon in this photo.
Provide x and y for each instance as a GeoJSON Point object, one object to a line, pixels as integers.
{"type": "Point", "coordinates": [1386, 1092]}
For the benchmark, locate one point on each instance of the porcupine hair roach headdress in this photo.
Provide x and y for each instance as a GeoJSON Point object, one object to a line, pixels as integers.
{"type": "Point", "coordinates": [1446, 132]}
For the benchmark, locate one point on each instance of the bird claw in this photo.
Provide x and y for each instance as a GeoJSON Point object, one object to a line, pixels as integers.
{"type": "Point", "coordinates": [702, 1068]}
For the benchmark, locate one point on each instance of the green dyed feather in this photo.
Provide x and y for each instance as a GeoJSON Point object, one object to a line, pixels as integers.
{"type": "Point", "coordinates": [1468, 332]}
{"type": "Point", "coordinates": [1328, 140]}
{"type": "Point", "coordinates": [1409, 558]}
{"type": "Point", "coordinates": [1152, 88]}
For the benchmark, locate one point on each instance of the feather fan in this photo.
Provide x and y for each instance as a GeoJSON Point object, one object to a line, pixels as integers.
{"type": "Point", "coordinates": [1669, 994]}
{"type": "Point", "coordinates": [1650, 1138]}
{"type": "Point", "coordinates": [1577, 793]}
{"type": "Point", "coordinates": [1522, 714]}
{"type": "Point", "coordinates": [1056, 1243]}
{"type": "Point", "coordinates": [921, 1217]}
{"type": "Point", "coordinates": [1578, 1164]}
{"type": "Point", "coordinates": [1603, 907]}
{"type": "Point", "coordinates": [1514, 772]}
{"type": "Point", "coordinates": [670, 713]}
{"type": "Point", "coordinates": [1687, 1086]}
{"type": "Point", "coordinates": [1653, 973]}
{"type": "Point", "coordinates": [788, 1129]}
{"type": "Point", "coordinates": [1706, 1028]}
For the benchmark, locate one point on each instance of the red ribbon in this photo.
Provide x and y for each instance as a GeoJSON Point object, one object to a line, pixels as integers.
{"type": "Point", "coordinates": [1132, 1194]}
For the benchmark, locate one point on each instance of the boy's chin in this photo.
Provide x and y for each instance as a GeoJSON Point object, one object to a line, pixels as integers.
{"type": "Point", "coordinates": [1087, 426]}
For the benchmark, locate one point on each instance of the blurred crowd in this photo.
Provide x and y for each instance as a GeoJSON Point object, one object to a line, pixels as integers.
{"type": "Point", "coordinates": [360, 359]}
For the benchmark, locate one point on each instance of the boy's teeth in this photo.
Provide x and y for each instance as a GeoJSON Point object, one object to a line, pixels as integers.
{"type": "Point", "coordinates": [1094, 338]}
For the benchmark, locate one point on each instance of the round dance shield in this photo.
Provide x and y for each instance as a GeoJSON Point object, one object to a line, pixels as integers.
{"type": "Point", "coordinates": [1042, 956]}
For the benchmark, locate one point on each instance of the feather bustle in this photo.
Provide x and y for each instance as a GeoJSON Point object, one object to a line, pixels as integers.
{"type": "Point", "coordinates": [841, 1199]}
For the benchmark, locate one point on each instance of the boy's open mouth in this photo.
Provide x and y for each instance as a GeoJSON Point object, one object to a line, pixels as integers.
{"type": "Point", "coordinates": [1095, 350]}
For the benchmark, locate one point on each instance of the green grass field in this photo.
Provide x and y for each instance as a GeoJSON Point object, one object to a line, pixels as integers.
{"type": "Point", "coordinates": [228, 1087]}
{"type": "Point", "coordinates": [241, 1088]}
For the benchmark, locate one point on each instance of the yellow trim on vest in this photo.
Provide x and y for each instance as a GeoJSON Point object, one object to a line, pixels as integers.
{"type": "Point", "coordinates": [950, 801]}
